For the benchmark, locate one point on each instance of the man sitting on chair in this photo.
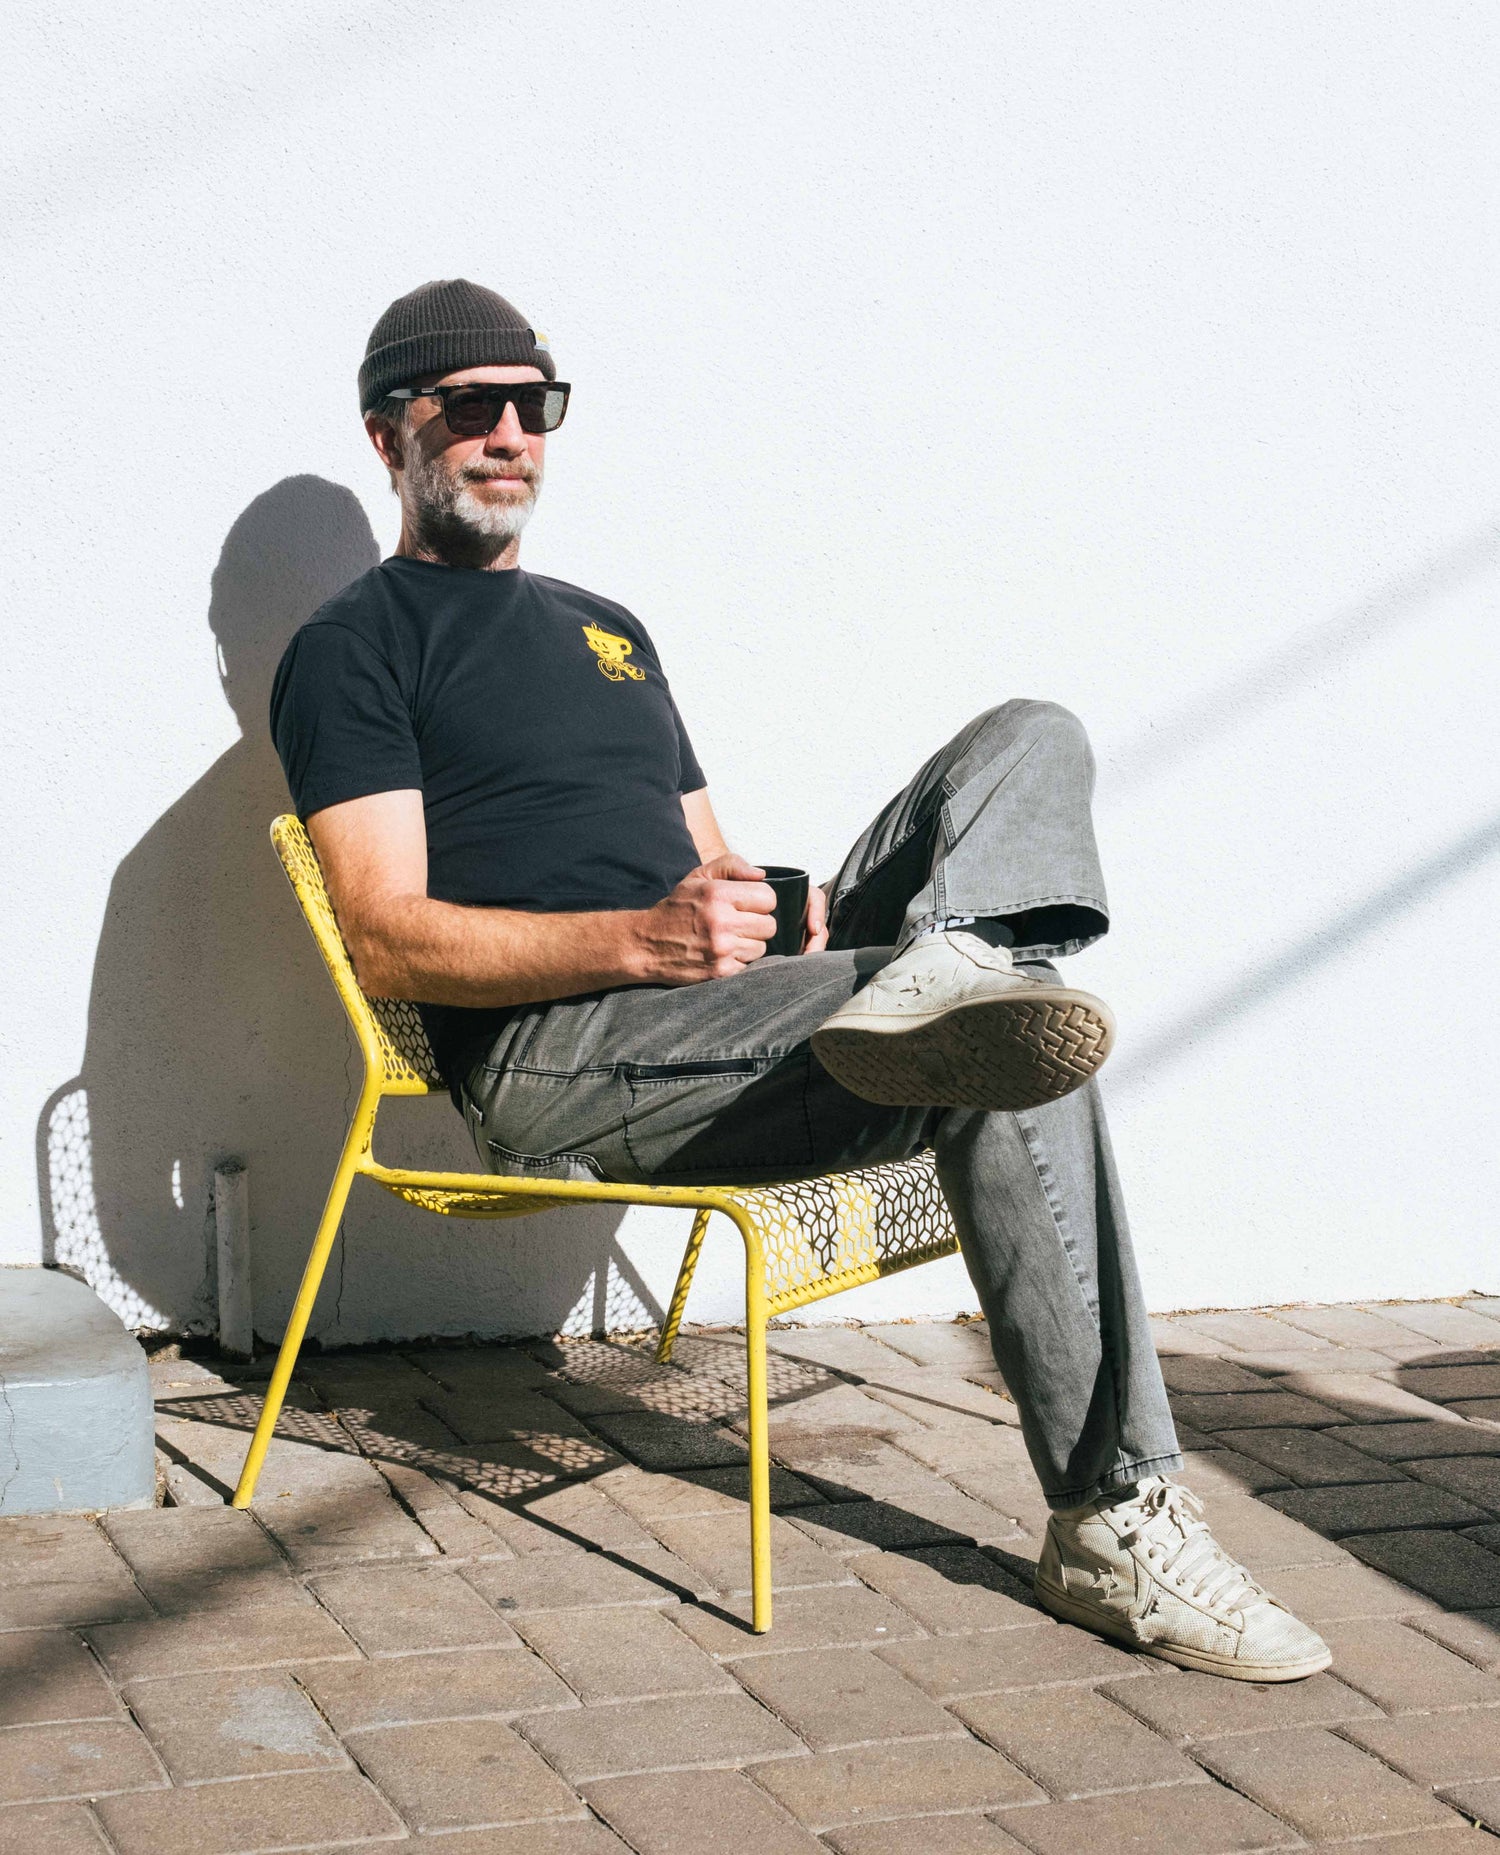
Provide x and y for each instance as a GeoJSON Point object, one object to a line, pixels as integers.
{"type": "Point", "coordinates": [516, 833]}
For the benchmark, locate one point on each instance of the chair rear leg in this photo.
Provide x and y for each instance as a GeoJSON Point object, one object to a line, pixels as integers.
{"type": "Point", "coordinates": [296, 1327]}
{"type": "Point", "coordinates": [684, 1282]}
{"type": "Point", "coordinates": [757, 1395]}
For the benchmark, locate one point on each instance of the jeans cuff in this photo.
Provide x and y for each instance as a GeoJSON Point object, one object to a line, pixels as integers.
{"type": "Point", "coordinates": [1119, 1477]}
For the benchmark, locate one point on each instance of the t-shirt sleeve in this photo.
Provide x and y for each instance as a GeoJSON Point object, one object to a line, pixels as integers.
{"type": "Point", "coordinates": [692, 777]}
{"type": "Point", "coordinates": [341, 725]}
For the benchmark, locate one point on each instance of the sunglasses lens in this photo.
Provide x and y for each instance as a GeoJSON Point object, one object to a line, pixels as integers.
{"type": "Point", "coordinates": [555, 404]}
{"type": "Point", "coordinates": [472, 411]}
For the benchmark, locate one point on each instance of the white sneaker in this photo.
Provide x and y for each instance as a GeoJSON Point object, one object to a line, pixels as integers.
{"type": "Point", "coordinates": [1147, 1571]}
{"type": "Point", "coordinates": [952, 1023]}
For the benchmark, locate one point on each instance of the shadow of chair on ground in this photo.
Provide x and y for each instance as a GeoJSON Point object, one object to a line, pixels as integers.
{"type": "Point", "coordinates": [515, 1433]}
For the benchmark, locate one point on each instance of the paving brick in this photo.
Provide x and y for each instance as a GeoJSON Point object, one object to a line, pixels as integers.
{"type": "Point", "coordinates": [259, 1814]}
{"type": "Point", "coordinates": [953, 1590]}
{"type": "Point", "coordinates": [1444, 1383]}
{"type": "Point", "coordinates": [1452, 1838]}
{"type": "Point", "coordinates": [851, 1527]}
{"type": "Point", "coordinates": [404, 1609]}
{"type": "Point", "coordinates": [1249, 1332]}
{"type": "Point", "coordinates": [1446, 1566]}
{"type": "Point", "coordinates": [1199, 1372]}
{"type": "Point", "coordinates": [1188, 1819]}
{"type": "Point", "coordinates": [1473, 1478]}
{"type": "Point", "coordinates": [373, 1379]}
{"type": "Point", "coordinates": [718, 1545]}
{"type": "Point", "coordinates": [845, 1349]}
{"type": "Point", "coordinates": [698, 1813]}
{"type": "Point", "coordinates": [346, 1517]}
{"type": "Point", "coordinates": [408, 1690]}
{"type": "Point", "coordinates": [1435, 1748]}
{"type": "Point", "coordinates": [1310, 1458]}
{"type": "Point", "coordinates": [1233, 1410]}
{"type": "Point", "coordinates": [1407, 1442]}
{"type": "Point", "coordinates": [835, 1411]}
{"type": "Point", "coordinates": [62, 1570]}
{"type": "Point", "coordinates": [496, 1419]}
{"type": "Point", "coordinates": [1364, 1396]}
{"type": "Point", "coordinates": [1385, 1505]}
{"type": "Point", "coordinates": [1403, 1671]}
{"type": "Point", "coordinates": [241, 1725]}
{"type": "Point", "coordinates": [48, 1675]}
{"type": "Point", "coordinates": [577, 1836]}
{"type": "Point", "coordinates": [571, 1581]}
{"type": "Point", "coordinates": [816, 1617]}
{"type": "Point", "coordinates": [925, 1835]}
{"type": "Point", "coordinates": [1074, 1742]}
{"type": "Point", "coordinates": [1448, 1325]}
{"type": "Point", "coordinates": [1475, 1635]}
{"type": "Point", "coordinates": [997, 1661]}
{"type": "Point", "coordinates": [202, 1558]}
{"type": "Point", "coordinates": [1174, 1340]}
{"type": "Point", "coordinates": [1480, 1304]}
{"type": "Point", "coordinates": [453, 1530]}
{"type": "Point", "coordinates": [655, 1441]}
{"type": "Point", "coordinates": [1321, 1785]}
{"type": "Point", "coordinates": [1321, 1594]}
{"type": "Point", "coordinates": [1480, 1800]}
{"type": "Point", "coordinates": [1267, 1541]}
{"type": "Point", "coordinates": [939, 1343]}
{"type": "Point", "coordinates": [940, 1400]}
{"type": "Point", "coordinates": [218, 1640]}
{"type": "Point", "coordinates": [842, 1697]}
{"type": "Point", "coordinates": [627, 1654]}
{"type": "Point", "coordinates": [462, 1774]}
{"type": "Point", "coordinates": [51, 1829]}
{"type": "Point", "coordinates": [868, 1783]}
{"type": "Point", "coordinates": [479, 1371]}
{"type": "Point", "coordinates": [1476, 1410]}
{"type": "Point", "coordinates": [508, 1520]}
{"type": "Point", "coordinates": [1192, 1707]}
{"type": "Point", "coordinates": [1218, 1470]}
{"type": "Point", "coordinates": [658, 1735]}
{"type": "Point", "coordinates": [1354, 1326]}
{"type": "Point", "coordinates": [82, 1758]}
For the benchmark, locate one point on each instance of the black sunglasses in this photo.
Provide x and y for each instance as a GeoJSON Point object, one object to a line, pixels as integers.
{"type": "Point", "coordinates": [474, 411]}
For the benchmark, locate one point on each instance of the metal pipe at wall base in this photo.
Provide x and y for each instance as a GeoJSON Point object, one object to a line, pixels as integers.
{"type": "Point", "coordinates": [232, 1239]}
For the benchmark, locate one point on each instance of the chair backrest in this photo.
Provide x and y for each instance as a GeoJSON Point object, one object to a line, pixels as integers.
{"type": "Point", "coordinates": [389, 1030]}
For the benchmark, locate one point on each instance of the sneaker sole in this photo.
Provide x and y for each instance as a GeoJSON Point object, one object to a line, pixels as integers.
{"type": "Point", "coordinates": [1003, 1054]}
{"type": "Point", "coordinates": [1059, 1605]}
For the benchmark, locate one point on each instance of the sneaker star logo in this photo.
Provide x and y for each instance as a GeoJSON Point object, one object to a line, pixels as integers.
{"type": "Point", "coordinates": [1105, 1583]}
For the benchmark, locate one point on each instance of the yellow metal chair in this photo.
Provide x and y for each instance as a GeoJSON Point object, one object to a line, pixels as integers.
{"type": "Point", "coordinates": [802, 1241]}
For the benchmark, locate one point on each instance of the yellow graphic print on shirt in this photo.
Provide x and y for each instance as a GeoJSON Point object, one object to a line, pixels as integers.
{"type": "Point", "coordinates": [612, 652]}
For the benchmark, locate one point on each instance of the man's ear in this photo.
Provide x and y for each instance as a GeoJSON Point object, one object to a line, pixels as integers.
{"type": "Point", "coordinates": [387, 442]}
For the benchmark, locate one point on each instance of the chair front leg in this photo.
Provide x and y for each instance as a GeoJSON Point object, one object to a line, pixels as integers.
{"type": "Point", "coordinates": [757, 1396]}
{"type": "Point", "coordinates": [355, 1146]}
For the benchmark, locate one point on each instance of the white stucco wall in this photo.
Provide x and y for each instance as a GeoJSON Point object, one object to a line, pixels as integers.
{"type": "Point", "coordinates": [1143, 357]}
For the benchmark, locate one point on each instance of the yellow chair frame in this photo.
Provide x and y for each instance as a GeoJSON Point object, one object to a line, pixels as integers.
{"type": "Point", "coordinates": [803, 1241]}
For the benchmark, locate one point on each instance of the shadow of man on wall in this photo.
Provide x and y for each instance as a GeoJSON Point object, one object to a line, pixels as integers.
{"type": "Point", "coordinates": [213, 1032]}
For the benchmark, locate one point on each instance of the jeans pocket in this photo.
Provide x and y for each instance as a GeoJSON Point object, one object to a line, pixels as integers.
{"type": "Point", "coordinates": [729, 1121]}
{"type": "Point", "coordinates": [549, 1126]}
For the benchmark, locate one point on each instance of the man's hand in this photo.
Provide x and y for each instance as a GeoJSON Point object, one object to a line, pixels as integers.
{"type": "Point", "coordinates": [713, 924]}
{"type": "Point", "coordinates": [815, 921]}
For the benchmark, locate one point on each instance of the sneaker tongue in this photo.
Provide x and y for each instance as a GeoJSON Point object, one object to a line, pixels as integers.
{"type": "Point", "coordinates": [997, 959]}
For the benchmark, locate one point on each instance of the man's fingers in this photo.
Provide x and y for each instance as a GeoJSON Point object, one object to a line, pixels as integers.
{"type": "Point", "coordinates": [750, 897]}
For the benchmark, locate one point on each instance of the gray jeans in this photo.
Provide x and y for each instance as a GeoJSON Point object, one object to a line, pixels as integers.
{"type": "Point", "coordinates": [716, 1084]}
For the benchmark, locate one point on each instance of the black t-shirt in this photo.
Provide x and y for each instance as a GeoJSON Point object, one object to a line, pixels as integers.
{"type": "Point", "coordinates": [533, 717]}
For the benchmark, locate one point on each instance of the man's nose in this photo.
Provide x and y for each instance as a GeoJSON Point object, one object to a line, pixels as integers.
{"type": "Point", "coordinates": [507, 439]}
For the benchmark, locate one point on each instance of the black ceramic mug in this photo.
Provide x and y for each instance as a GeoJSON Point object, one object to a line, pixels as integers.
{"type": "Point", "coordinates": [791, 905]}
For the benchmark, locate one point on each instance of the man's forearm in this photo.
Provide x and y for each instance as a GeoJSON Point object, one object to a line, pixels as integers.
{"type": "Point", "coordinates": [445, 954]}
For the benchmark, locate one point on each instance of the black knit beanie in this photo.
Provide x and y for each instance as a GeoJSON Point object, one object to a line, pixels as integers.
{"type": "Point", "coordinates": [443, 326]}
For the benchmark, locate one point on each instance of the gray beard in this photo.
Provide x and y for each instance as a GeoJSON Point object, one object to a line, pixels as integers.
{"type": "Point", "coordinates": [451, 521]}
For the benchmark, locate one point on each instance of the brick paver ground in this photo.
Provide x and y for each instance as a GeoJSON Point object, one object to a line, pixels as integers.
{"type": "Point", "coordinates": [492, 1601]}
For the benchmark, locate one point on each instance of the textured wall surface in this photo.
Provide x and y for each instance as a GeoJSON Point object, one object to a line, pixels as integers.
{"type": "Point", "coordinates": [1142, 358]}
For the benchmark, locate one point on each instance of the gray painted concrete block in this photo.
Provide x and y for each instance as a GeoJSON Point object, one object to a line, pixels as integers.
{"type": "Point", "coordinates": [76, 1429]}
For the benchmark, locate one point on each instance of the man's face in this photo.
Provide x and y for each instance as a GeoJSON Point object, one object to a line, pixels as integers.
{"type": "Point", "coordinates": [464, 495]}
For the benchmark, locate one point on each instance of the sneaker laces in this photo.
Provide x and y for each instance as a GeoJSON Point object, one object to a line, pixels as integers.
{"type": "Point", "coordinates": [1167, 1522]}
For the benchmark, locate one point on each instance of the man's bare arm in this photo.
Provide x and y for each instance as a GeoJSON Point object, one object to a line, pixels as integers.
{"type": "Point", "coordinates": [405, 944]}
